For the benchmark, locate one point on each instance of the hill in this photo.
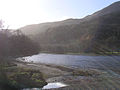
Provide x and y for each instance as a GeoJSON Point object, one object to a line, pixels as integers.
{"type": "Point", "coordinates": [99, 32]}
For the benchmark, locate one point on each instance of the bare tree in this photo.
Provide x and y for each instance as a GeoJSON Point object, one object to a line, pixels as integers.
{"type": "Point", "coordinates": [1, 24]}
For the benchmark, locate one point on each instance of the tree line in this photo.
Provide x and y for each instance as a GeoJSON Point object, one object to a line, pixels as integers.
{"type": "Point", "coordinates": [13, 44]}
{"type": "Point", "coordinates": [16, 44]}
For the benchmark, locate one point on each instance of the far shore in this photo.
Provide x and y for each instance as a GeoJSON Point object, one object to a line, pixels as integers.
{"type": "Point", "coordinates": [85, 54]}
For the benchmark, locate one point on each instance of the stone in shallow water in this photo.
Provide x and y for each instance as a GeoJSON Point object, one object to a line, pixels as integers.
{"type": "Point", "coordinates": [54, 85]}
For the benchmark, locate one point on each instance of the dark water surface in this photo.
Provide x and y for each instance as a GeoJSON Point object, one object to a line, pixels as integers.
{"type": "Point", "coordinates": [77, 61]}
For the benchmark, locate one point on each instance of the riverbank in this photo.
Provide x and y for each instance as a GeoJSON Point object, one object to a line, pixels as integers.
{"type": "Point", "coordinates": [37, 75]}
{"type": "Point", "coordinates": [13, 77]}
{"type": "Point", "coordinates": [75, 78]}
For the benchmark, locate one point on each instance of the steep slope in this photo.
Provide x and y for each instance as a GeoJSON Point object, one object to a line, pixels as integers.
{"type": "Point", "coordinates": [115, 7]}
{"type": "Point", "coordinates": [39, 28]}
{"type": "Point", "coordinates": [99, 32]}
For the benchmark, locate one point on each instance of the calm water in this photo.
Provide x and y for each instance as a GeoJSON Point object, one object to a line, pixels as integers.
{"type": "Point", "coordinates": [77, 61]}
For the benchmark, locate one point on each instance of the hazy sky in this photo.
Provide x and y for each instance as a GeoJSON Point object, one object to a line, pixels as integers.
{"type": "Point", "coordinates": [17, 13]}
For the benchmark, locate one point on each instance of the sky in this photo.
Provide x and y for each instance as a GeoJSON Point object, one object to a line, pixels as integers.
{"type": "Point", "coordinates": [18, 13]}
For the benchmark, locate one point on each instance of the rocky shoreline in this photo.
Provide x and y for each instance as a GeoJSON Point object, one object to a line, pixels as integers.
{"type": "Point", "coordinates": [54, 73]}
{"type": "Point", "coordinates": [75, 78]}
{"type": "Point", "coordinates": [37, 75]}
